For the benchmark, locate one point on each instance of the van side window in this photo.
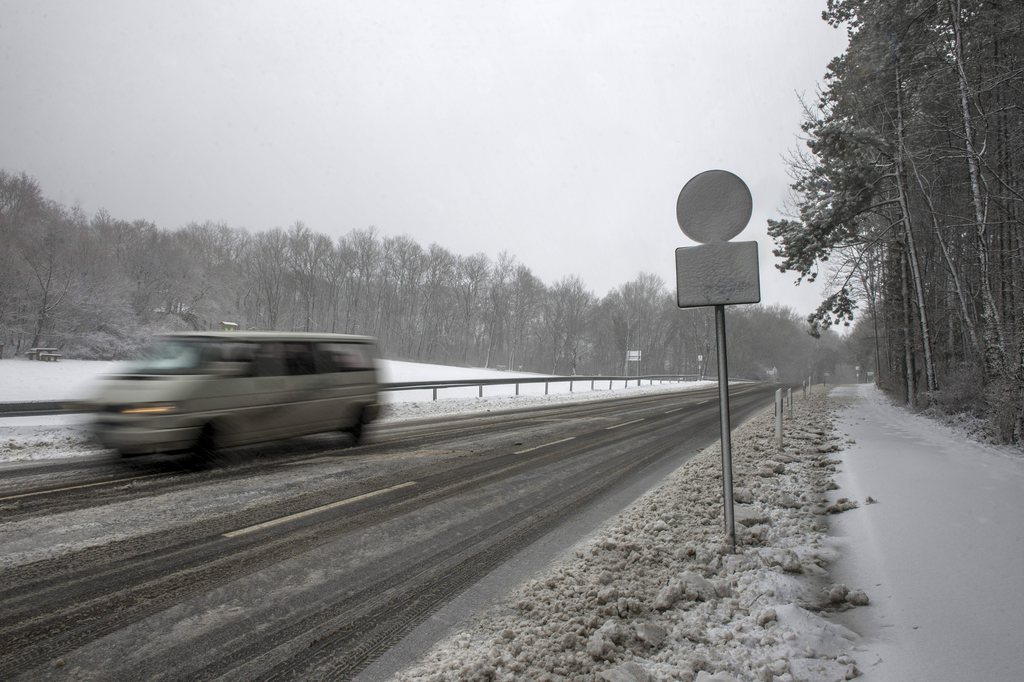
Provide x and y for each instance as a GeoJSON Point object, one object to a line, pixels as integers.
{"type": "Point", "coordinates": [211, 352]}
{"type": "Point", "coordinates": [268, 361]}
{"type": "Point", "coordinates": [324, 359]}
{"type": "Point", "coordinates": [299, 358]}
{"type": "Point", "coordinates": [344, 357]}
{"type": "Point", "coordinates": [240, 356]}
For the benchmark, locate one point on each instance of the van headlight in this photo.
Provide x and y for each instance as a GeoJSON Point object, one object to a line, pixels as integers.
{"type": "Point", "coordinates": [153, 408]}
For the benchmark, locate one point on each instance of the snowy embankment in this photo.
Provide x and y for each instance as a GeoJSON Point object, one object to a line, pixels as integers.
{"type": "Point", "coordinates": [656, 595]}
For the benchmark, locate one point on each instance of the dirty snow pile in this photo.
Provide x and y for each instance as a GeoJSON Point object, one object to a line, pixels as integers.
{"type": "Point", "coordinates": [656, 595]}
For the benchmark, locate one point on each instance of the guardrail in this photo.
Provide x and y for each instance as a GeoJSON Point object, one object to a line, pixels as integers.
{"type": "Point", "coordinates": [45, 407]}
{"type": "Point", "coordinates": [35, 407]}
{"type": "Point", "coordinates": [434, 386]}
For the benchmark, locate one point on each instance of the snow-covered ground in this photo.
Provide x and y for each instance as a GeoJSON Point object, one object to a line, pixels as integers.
{"type": "Point", "coordinates": [940, 548]}
{"type": "Point", "coordinates": [876, 543]}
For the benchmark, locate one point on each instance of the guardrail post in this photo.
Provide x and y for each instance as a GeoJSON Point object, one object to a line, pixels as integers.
{"type": "Point", "coordinates": [517, 389]}
{"type": "Point", "coordinates": [481, 395]}
{"type": "Point", "coordinates": [435, 394]}
{"type": "Point", "coordinates": [591, 384]}
{"type": "Point", "coordinates": [778, 418]}
{"type": "Point", "coordinates": [791, 403]}
{"type": "Point", "coordinates": [545, 388]}
{"type": "Point", "coordinates": [609, 384]}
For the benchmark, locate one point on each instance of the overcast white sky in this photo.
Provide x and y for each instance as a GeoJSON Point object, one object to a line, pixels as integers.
{"type": "Point", "coordinates": [558, 130]}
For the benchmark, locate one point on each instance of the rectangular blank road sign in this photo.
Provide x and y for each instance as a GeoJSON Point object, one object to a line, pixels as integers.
{"type": "Point", "coordinates": [719, 273]}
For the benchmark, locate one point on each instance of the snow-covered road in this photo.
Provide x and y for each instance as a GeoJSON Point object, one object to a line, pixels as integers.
{"type": "Point", "coordinates": [932, 535]}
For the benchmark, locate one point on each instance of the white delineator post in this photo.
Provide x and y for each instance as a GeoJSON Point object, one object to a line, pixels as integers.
{"type": "Point", "coordinates": [712, 208]}
{"type": "Point", "coordinates": [778, 418]}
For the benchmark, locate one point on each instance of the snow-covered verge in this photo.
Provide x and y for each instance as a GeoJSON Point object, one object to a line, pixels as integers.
{"type": "Point", "coordinates": [937, 537]}
{"type": "Point", "coordinates": [656, 595]}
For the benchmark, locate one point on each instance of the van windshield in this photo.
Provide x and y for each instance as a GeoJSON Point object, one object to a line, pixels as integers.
{"type": "Point", "coordinates": [171, 356]}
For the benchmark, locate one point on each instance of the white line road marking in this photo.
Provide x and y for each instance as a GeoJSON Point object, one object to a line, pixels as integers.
{"type": "Point", "coordinates": [315, 460]}
{"type": "Point", "coordinates": [703, 401]}
{"type": "Point", "coordinates": [316, 510]}
{"type": "Point", "coordinates": [609, 428]}
{"type": "Point", "coordinates": [77, 487]}
{"type": "Point", "coordinates": [538, 447]}
{"type": "Point", "coordinates": [675, 410]}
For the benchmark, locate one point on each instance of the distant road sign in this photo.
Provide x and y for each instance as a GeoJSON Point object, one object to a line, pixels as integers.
{"type": "Point", "coordinates": [633, 356]}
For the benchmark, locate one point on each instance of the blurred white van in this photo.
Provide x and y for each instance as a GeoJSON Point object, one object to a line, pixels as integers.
{"type": "Point", "coordinates": [201, 391]}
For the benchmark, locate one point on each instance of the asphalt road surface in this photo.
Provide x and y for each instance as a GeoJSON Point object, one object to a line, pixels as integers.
{"type": "Point", "coordinates": [309, 558]}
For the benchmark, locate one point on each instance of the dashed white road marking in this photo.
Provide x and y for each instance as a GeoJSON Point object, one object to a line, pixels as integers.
{"type": "Point", "coordinates": [538, 447]}
{"type": "Point", "coordinates": [316, 510]}
{"type": "Point", "coordinates": [617, 426]}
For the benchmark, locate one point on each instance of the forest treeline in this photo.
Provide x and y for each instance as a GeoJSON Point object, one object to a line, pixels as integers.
{"type": "Point", "coordinates": [912, 188]}
{"type": "Point", "coordinates": [99, 287]}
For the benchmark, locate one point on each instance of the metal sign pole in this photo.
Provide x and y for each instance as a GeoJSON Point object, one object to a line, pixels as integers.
{"type": "Point", "coordinates": [712, 208]}
{"type": "Point", "coordinates": [723, 402]}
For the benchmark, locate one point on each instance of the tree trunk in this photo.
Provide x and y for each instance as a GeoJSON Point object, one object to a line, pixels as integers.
{"type": "Point", "coordinates": [908, 337]}
{"type": "Point", "coordinates": [908, 232]}
{"type": "Point", "coordinates": [954, 272]}
{"type": "Point", "coordinates": [995, 344]}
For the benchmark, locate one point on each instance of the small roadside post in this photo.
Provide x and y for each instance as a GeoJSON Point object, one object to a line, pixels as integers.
{"type": "Point", "coordinates": [712, 208]}
{"type": "Point", "coordinates": [778, 419]}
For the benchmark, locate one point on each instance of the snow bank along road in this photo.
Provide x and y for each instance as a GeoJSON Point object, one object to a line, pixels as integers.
{"type": "Point", "coordinates": [303, 559]}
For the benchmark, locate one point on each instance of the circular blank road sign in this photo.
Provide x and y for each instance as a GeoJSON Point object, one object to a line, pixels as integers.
{"type": "Point", "coordinates": [714, 206]}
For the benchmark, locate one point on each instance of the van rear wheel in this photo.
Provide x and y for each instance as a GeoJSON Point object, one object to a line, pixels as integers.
{"type": "Point", "coordinates": [206, 453]}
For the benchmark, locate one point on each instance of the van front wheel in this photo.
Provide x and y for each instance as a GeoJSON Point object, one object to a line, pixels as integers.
{"type": "Point", "coordinates": [356, 430]}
